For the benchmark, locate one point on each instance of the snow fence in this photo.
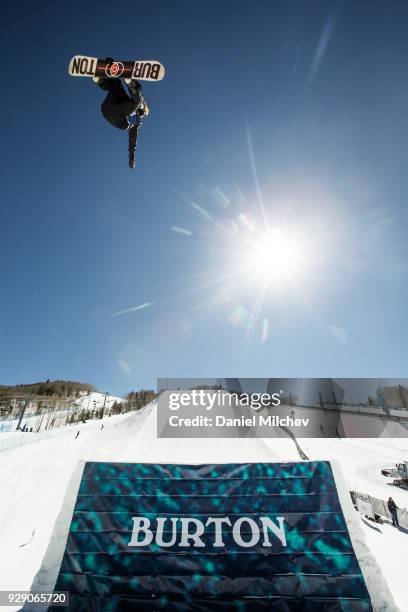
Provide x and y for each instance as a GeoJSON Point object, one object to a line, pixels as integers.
{"type": "Point", "coordinates": [253, 536]}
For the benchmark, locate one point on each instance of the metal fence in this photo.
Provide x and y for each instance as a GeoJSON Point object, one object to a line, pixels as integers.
{"type": "Point", "coordinates": [380, 508]}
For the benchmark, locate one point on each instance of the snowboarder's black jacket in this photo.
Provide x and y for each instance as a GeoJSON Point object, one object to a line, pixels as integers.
{"type": "Point", "coordinates": [118, 107]}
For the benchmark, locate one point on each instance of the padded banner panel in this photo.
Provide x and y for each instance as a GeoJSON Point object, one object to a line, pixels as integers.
{"type": "Point", "coordinates": [211, 537]}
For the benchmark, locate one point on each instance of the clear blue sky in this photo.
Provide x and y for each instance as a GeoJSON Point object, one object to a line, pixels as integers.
{"type": "Point", "coordinates": [276, 114]}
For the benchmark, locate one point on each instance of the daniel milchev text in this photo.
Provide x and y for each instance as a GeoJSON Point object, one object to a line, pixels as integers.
{"type": "Point", "coordinates": [256, 420]}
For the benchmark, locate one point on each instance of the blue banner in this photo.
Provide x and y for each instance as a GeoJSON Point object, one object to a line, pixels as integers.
{"type": "Point", "coordinates": [211, 537]}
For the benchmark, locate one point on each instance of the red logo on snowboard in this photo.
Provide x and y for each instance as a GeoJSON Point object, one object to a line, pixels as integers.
{"type": "Point", "coordinates": [115, 69]}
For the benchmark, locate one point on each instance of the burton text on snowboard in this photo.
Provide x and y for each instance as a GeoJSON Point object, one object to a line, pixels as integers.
{"type": "Point", "coordinates": [142, 70]}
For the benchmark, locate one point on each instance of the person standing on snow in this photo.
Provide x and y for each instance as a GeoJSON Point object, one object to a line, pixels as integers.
{"type": "Point", "coordinates": [124, 111]}
{"type": "Point", "coordinates": [392, 507]}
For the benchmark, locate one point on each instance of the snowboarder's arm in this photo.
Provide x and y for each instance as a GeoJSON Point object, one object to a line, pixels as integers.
{"type": "Point", "coordinates": [132, 143]}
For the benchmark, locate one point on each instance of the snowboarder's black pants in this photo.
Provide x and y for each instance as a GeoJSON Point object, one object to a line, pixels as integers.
{"type": "Point", "coordinates": [117, 105]}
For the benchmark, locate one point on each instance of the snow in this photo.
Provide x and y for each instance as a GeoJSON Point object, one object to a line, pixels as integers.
{"type": "Point", "coordinates": [388, 545]}
{"type": "Point", "coordinates": [39, 483]}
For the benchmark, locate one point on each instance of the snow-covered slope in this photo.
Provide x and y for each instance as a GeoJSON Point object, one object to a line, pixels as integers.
{"type": "Point", "coordinates": [34, 480]}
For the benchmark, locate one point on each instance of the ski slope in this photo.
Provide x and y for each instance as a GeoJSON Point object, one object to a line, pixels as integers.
{"type": "Point", "coordinates": [35, 477]}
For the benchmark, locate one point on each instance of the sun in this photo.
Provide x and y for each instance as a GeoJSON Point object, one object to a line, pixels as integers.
{"type": "Point", "coordinates": [275, 254]}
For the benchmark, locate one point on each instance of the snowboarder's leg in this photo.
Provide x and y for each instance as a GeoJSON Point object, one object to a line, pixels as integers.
{"type": "Point", "coordinates": [135, 91]}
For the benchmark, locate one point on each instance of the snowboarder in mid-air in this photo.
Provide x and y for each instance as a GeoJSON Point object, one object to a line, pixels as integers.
{"type": "Point", "coordinates": [124, 111]}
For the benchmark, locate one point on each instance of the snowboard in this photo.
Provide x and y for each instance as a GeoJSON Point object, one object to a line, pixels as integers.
{"type": "Point", "coordinates": [142, 70]}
